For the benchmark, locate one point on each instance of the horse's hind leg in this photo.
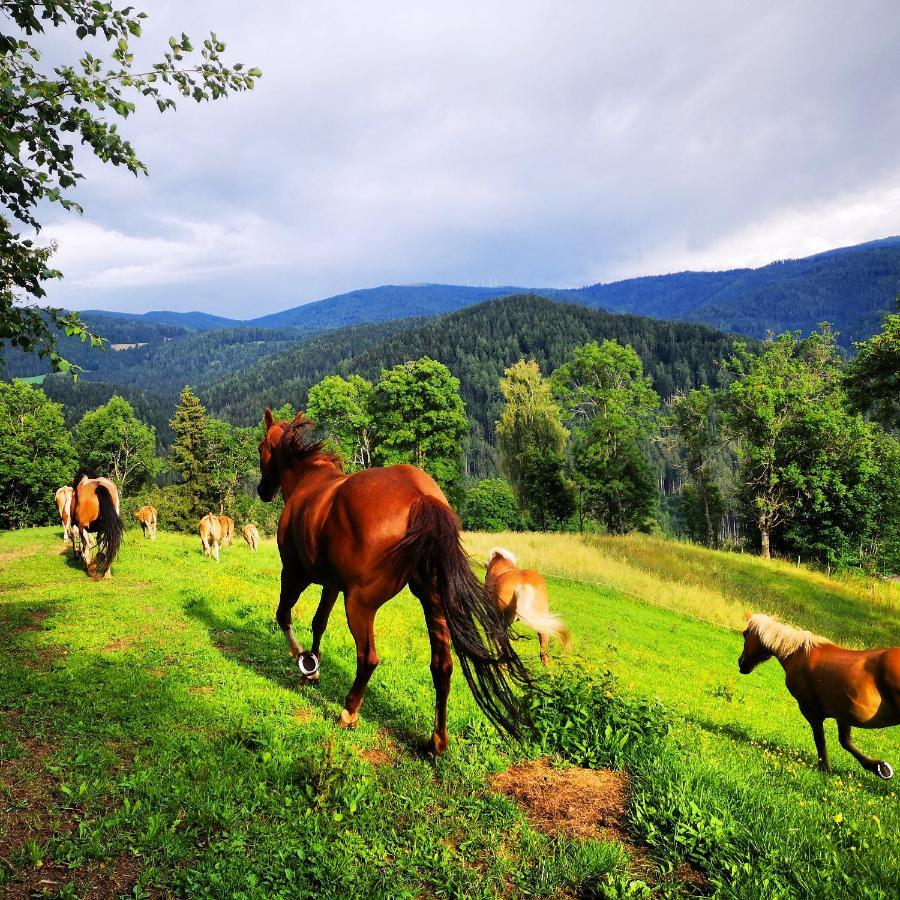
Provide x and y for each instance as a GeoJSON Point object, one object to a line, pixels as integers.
{"type": "Point", "coordinates": [441, 670]}
{"type": "Point", "coordinates": [878, 766]}
{"type": "Point", "coordinates": [545, 647]}
{"type": "Point", "coordinates": [361, 619]}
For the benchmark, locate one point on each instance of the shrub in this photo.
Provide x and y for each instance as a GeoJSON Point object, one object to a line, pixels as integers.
{"type": "Point", "coordinates": [491, 506]}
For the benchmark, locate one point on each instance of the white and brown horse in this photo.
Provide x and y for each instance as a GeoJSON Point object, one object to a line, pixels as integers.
{"type": "Point", "coordinates": [211, 535]}
{"type": "Point", "coordinates": [64, 505]}
{"type": "Point", "coordinates": [251, 536]}
{"type": "Point", "coordinates": [95, 510]}
{"type": "Point", "coordinates": [521, 595]}
{"type": "Point", "coordinates": [854, 687]}
{"type": "Point", "coordinates": [146, 515]}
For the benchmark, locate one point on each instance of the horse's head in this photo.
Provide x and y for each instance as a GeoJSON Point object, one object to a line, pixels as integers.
{"type": "Point", "coordinates": [283, 442]}
{"type": "Point", "coordinates": [754, 653]}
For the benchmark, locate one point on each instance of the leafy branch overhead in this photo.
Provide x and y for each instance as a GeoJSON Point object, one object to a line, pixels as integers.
{"type": "Point", "coordinates": [45, 111]}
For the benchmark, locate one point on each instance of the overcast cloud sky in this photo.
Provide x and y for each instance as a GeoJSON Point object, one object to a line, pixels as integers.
{"type": "Point", "coordinates": [526, 143]}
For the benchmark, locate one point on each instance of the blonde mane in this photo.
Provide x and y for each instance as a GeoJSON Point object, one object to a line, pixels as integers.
{"type": "Point", "coordinates": [501, 551]}
{"type": "Point", "coordinates": [781, 639]}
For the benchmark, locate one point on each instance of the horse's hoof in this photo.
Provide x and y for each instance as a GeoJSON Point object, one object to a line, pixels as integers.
{"type": "Point", "coordinates": [884, 770]}
{"type": "Point", "coordinates": [348, 720]}
{"type": "Point", "coordinates": [436, 746]}
{"type": "Point", "coordinates": [308, 664]}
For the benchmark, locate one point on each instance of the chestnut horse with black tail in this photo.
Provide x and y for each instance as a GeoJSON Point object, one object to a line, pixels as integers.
{"type": "Point", "coordinates": [368, 535]}
{"type": "Point", "coordinates": [854, 687]}
{"type": "Point", "coordinates": [95, 509]}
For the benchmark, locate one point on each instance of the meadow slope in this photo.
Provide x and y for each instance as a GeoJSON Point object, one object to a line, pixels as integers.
{"type": "Point", "coordinates": [154, 738]}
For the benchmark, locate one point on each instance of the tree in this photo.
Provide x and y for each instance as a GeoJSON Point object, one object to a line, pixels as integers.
{"type": "Point", "coordinates": [491, 506]}
{"type": "Point", "coordinates": [692, 418]}
{"type": "Point", "coordinates": [548, 495]}
{"type": "Point", "coordinates": [36, 456]}
{"type": "Point", "coordinates": [187, 460]}
{"type": "Point", "coordinates": [112, 441]}
{"type": "Point", "coordinates": [343, 407]}
{"type": "Point", "coordinates": [609, 405]}
{"type": "Point", "coordinates": [41, 111]}
{"type": "Point", "coordinates": [230, 458]}
{"type": "Point", "coordinates": [529, 427]}
{"type": "Point", "coordinates": [799, 446]}
{"type": "Point", "coordinates": [873, 378]}
{"type": "Point", "coordinates": [419, 418]}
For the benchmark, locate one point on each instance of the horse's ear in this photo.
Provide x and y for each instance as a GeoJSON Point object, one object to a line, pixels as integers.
{"type": "Point", "coordinates": [299, 417]}
{"type": "Point", "coordinates": [747, 615]}
{"type": "Point", "coordinates": [268, 418]}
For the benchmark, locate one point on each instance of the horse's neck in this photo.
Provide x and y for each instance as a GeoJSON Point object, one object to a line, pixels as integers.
{"type": "Point", "coordinates": [307, 477]}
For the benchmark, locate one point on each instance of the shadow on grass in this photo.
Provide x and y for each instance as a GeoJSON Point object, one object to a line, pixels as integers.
{"type": "Point", "coordinates": [250, 645]}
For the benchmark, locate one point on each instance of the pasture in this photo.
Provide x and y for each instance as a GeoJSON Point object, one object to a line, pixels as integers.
{"type": "Point", "coordinates": [155, 740]}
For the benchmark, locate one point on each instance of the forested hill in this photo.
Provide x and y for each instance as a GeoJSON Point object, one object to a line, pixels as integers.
{"type": "Point", "coordinates": [852, 288]}
{"type": "Point", "coordinates": [476, 344]}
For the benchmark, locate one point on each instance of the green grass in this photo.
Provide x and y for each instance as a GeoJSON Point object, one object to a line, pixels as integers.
{"type": "Point", "coordinates": [160, 711]}
{"type": "Point", "coordinates": [32, 379]}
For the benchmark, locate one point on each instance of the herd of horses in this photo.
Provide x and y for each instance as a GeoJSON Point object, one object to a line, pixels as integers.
{"type": "Point", "coordinates": [371, 533]}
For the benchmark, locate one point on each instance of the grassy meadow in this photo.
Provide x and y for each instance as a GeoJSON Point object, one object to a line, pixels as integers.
{"type": "Point", "coordinates": [155, 740]}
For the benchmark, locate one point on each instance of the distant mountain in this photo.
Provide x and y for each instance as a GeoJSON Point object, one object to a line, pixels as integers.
{"type": "Point", "coordinates": [477, 344]}
{"type": "Point", "coordinates": [391, 301]}
{"type": "Point", "coordinates": [198, 321]}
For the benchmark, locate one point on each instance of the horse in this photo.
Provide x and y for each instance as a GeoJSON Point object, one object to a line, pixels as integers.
{"type": "Point", "coordinates": [251, 536]}
{"type": "Point", "coordinates": [211, 535]}
{"type": "Point", "coordinates": [368, 534]}
{"type": "Point", "coordinates": [146, 515]}
{"type": "Point", "coordinates": [227, 524]}
{"type": "Point", "coordinates": [521, 594]}
{"type": "Point", "coordinates": [95, 508]}
{"type": "Point", "coordinates": [64, 505]}
{"type": "Point", "coordinates": [854, 687]}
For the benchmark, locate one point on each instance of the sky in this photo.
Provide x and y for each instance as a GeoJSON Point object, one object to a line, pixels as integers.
{"type": "Point", "coordinates": [515, 143]}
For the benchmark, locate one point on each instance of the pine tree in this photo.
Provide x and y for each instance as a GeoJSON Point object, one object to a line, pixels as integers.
{"type": "Point", "coordinates": [187, 458]}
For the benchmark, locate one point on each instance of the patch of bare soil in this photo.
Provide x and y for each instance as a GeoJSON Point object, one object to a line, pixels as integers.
{"type": "Point", "coordinates": [579, 803]}
{"type": "Point", "coordinates": [35, 621]}
{"type": "Point", "coordinates": [203, 689]}
{"type": "Point", "coordinates": [118, 644]}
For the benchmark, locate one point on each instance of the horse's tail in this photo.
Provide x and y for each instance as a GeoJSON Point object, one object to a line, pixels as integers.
{"type": "Point", "coordinates": [543, 622]}
{"type": "Point", "coordinates": [432, 555]}
{"type": "Point", "coordinates": [109, 529]}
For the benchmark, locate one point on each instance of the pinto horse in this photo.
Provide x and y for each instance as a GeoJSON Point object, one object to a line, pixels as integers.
{"type": "Point", "coordinates": [522, 595]}
{"type": "Point", "coordinates": [146, 515]}
{"type": "Point", "coordinates": [854, 687]}
{"type": "Point", "coordinates": [64, 505]}
{"type": "Point", "coordinates": [368, 534]}
{"type": "Point", "coordinates": [95, 509]}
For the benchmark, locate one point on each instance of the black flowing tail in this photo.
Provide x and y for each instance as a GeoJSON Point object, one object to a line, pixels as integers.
{"type": "Point", "coordinates": [109, 530]}
{"type": "Point", "coordinates": [432, 555]}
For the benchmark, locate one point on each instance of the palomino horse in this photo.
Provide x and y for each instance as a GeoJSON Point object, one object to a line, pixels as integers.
{"type": "Point", "coordinates": [64, 505]}
{"type": "Point", "coordinates": [95, 508]}
{"type": "Point", "coordinates": [146, 515]}
{"type": "Point", "coordinates": [211, 535]}
{"type": "Point", "coordinates": [251, 536]}
{"type": "Point", "coordinates": [854, 687]}
{"type": "Point", "coordinates": [522, 594]}
{"type": "Point", "coordinates": [227, 524]}
{"type": "Point", "coordinates": [369, 534]}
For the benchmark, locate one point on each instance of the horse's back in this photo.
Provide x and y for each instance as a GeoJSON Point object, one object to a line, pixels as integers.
{"type": "Point", "coordinates": [505, 585]}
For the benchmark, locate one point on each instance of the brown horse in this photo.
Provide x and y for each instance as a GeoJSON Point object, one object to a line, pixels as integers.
{"type": "Point", "coordinates": [227, 524]}
{"type": "Point", "coordinates": [854, 687]}
{"type": "Point", "coordinates": [146, 515]}
{"type": "Point", "coordinates": [522, 595]}
{"type": "Point", "coordinates": [95, 509]}
{"type": "Point", "coordinates": [368, 535]}
{"type": "Point", "coordinates": [251, 536]}
{"type": "Point", "coordinates": [64, 505]}
{"type": "Point", "coordinates": [211, 535]}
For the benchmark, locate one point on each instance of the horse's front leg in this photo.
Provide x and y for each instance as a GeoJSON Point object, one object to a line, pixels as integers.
{"type": "Point", "coordinates": [878, 766]}
{"type": "Point", "coordinates": [320, 623]}
{"type": "Point", "coordinates": [361, 619]}
{"type": "Point", "coordinates": [818, 730]}
{"type": "Point", "coordinates": [293, 584]}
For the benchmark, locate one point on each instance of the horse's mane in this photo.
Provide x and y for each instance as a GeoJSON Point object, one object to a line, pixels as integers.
{"type": "Point", "coordinates": [781, 639]}
{"type": "Point", "coordinates": [297, 448]}
{"type": "Point", "coordinates": [502, 551]}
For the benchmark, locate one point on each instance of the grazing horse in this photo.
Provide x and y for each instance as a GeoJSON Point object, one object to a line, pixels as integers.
{"type": "Point", "coordinates": [227, 524]}
{"type": "Point", "coordinates": [854, 687]}
{"type": "Point", "coordinates": [368, 535]}
{"type": "Point", "coordinates": [211, 535]}
{"type": "Point", "coordinates": [251, 536]}
{"type": "Point", "coordinates": [95, 508]}
{"type": "Point", "coordinates": [522, 594]}
{"type": "Point", "coordinates": [64, 505]}
{"type": "Point", "coordinates": [146, 515]}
